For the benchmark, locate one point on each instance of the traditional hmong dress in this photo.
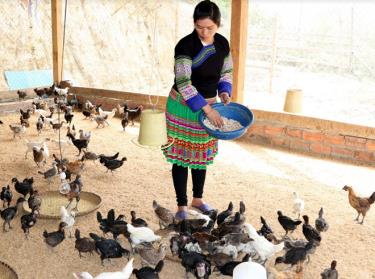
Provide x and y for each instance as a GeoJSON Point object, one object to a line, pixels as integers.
{"type": "Point", "coordinates": [201, 72]}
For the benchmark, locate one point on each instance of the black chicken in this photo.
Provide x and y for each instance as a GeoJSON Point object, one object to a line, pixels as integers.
{"type": "Point", "coordinates": [25, 114]}
{"type": "Point", "coordinates": [83, 244]}
{"type": "Point", "coordinates": [296, 256]}
{"type": "Point", "coordinates": [28, 221]}
{"type": "Point", "coordinates": [190, 259]}
{"type": "Point", "coordinates": [108, 248]}
{"type": "Point", "coordinates": [110, 224]}
{"type": "Point", "coordinates": [309, 231]}
{"type": "Point", "coordinates": [227, 269]}
{"type": "Point", "coordinates": [55, 238]}
{"type": "Point", "coordinates": [133, 113]}
{"type": "Point", "coordinates": [107, 158]}
{"type": "Point", "coordinates": [113, 164]}
{"type": "Point", "coordinates": [68, 117]}
{"type": "Point", "coordinates": [21, 94]}
{"type": "Point", "coordinates": [6, 195]}
{"type": "Point", "coordinates": [125, 120]}
{"type": "Point", "coordinates": [287, 223]}
{"type": "Point", "coordinates": [23, 187]}
{"type": "Point", "coordinates": [79, 143]}
{"type": "Point", "coordinates": [320, 223]}
{"type": "Point", "coordinates": [137, 222]}
{"type": "Point", "coordinates": [224, 214]}
{"type": "Point", "coordinates": [149, 272]}
{"type": "Point", "coordinates": [265, 230]}
{"type": "Point", "coordinates": [9, 213]}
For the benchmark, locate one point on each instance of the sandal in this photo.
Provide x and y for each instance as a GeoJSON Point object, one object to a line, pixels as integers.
{"type": "Point", "coordinates": [204, 207]}
{"type": "Point", "coordinates": [181, 215]}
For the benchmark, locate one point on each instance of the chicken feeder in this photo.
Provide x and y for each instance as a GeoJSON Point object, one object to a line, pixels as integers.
{"type": "Point", "coordinates": [6, 272]}
{"type": "Point", "coordinates": [152, 130]}
{"type": "Point", "coordinates": [53, 200]}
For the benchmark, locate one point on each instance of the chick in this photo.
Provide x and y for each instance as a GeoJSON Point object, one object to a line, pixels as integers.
{"type": "Point", "coordinates": [165, 216]}
{"type": "Point", "coordinates": [6, 195]}
{"type": "Point", "coordinates": [298, 204]}
{"type": "Point", "coordinates": [331, 272]}
{"type": "Point", "coordinates": [320, 223]}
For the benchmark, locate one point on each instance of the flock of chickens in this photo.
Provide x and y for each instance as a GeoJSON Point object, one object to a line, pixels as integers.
{"type": "Point", "coordinates": [204, 243]}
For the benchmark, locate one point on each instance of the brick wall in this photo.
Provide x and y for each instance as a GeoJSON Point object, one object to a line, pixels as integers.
{"type": "Point", "coordinates": [336, 144]}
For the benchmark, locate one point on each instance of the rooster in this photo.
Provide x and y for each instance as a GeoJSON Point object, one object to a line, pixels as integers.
{"type": "Point", "coordinates": [362, 205]}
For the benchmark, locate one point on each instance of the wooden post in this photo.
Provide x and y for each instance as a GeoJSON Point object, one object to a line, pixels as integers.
{"type": "Point", "coordinates": [56, 40]}
{"type": "Point", "coordinates": [238, 43]}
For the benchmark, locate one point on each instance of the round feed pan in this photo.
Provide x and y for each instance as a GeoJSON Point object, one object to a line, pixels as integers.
{"type": "Point", "coordinates": [6, 272]}
{"type": "Point", "coordinates": [53, 200]}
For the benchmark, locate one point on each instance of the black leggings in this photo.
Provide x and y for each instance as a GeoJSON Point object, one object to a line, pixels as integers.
{"type": "Point", "coordinates": [180, 177]}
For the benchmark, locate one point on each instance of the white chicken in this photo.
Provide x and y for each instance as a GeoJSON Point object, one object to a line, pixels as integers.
{"type": "Point", "coordinates": [298, 205]}
{"type": "Point", "coordinates": [125, 273]}
{"type": "Point", "coordinates": [141, 234]}
{"type": "Point", "coordinates": [197, 215]}
{"type": "Point", "coordinates": [31, 144]}
{"type": "Point", "coordinates": [109, 113]}
{"type": "Point", "coordinates": [68, 217]}
{"type": "Point", "coordinates": [249, 269]}
{"type": "Point", "coordinates": [264, 248]}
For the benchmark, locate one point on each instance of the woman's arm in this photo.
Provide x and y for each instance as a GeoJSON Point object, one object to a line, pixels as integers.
{"type": "Point", "coordinates": [225, 82]}
{"type": "Point", "coordinates": [190, 94]}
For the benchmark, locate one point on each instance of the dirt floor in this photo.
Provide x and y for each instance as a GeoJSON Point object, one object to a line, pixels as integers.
{"type": "Point", "coordinates": [263, 178]}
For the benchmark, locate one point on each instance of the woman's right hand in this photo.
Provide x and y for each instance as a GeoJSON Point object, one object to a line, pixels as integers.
{"type": "Point", "coordinates": [213, 116]}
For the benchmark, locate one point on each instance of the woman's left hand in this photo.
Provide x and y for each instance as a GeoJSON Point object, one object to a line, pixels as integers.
{"type": "Point", "coordinates": [224, 97]}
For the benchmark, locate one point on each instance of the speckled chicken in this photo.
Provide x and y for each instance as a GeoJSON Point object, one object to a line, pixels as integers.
{"type": "Point", "coordinates": [151, 256]}
{"type": "Point", "coordinates": [6, 195]}
{"type": "Point", "coordinates": [27, 222]}
{"type": "Point", "coordinates": [331, 272]}
{"type": "Point", "coordinates": [165, 216]}
{"type": "Point", "coordinates": [48, 174]}
{"type": "Point", "coordinates": [320, 223]}
{"type": "Point", "coordinates": [34, 201]}
{"type": "Point", "coordinates": [53, 239]}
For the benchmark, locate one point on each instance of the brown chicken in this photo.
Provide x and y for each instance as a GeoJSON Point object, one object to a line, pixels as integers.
{"type": "Point", "coordinates": [362, 205]}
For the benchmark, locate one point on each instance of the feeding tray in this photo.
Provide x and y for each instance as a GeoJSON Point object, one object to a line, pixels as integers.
{"type": "Point", "coordinates": [6, 272]}
{"type": "Point", "coordinates": [53, 200]}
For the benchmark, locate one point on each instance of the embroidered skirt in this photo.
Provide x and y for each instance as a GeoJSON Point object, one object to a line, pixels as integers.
{"type": "Point", "coordinates": [192, 146]}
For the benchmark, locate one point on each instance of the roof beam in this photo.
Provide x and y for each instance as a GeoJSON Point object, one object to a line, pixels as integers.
{"type": "Point", "coordinates": [238, 42]}
{"type": "Point", "coordinates": [56, 40]}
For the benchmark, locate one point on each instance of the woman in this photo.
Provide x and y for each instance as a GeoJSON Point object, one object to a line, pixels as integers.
{"type": "Point", "coordinates": [203, 69]}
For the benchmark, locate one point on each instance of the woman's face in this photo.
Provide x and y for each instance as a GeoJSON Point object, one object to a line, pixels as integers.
{"type": "Point", "coordinates": [206, 29]}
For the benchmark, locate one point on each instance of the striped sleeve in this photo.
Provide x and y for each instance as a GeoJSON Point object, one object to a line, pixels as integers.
{"type": "Point", "coordinates": [226, 75]}
{"type": "Point", "coordinates": [190, 94]}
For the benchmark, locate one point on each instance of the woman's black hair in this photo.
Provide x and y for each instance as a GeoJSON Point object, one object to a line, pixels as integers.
{"type": "Point", "coordinates": [207, 9]}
